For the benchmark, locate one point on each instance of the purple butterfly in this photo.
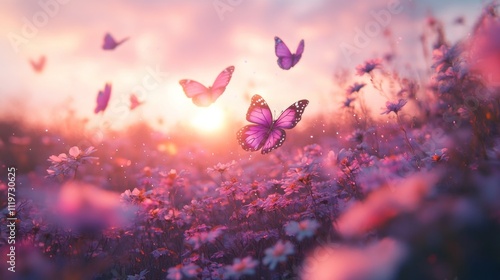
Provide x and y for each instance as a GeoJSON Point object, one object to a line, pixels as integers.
{"type": "Point", "coordinates": [110, 43]}
{"type": "Point", "coordinates": [286, 59]}
{"type": "Point", "coordinates": [203, 96]}
{"type": "Point", "coordinates": [267, 133]}
{"type": "Point", "coordinates": [103, 98]}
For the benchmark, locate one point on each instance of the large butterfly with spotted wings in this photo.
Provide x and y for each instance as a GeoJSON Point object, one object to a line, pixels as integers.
{"type": "Point", "coordinates": [265, 133]}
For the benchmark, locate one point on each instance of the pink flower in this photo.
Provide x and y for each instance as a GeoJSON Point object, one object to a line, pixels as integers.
{"type": "Point", "coordinates": [221, 167]}
{"type": "Point", "coordinates": [240, 267]}
{"type": "Point", "coordinates": [200, 238]}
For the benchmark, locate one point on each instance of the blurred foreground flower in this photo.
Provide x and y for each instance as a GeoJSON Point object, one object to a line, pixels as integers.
{"type": "Point", "coordinates": [278, 253]}
{"type": "Point", "coordinates": [64, 164]}
{"type": "Point", "coordinates": [485, 49]}
{"type": "Point", "coordinates": [385, 204]}
{"type": "Point", "coordinates": [378, 261]}
{"type": "Point", "coordinates": [302, 229]}
{"type": "Point", "coordinates": [84, 207]}
{"type": "Point", "coordinates": [240, 267]}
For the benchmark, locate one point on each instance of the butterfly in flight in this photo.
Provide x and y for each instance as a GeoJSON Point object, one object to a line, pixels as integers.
{"type": "Point", "coordinates": [103, 98]}
{"type": "Point", "coordinates": [286, 59]}
{"type": "Point", "coordinates": [110, 43]}
{"type": "Point", "coordinates": [204, 96]}
{"type": "Point", "coordinates": [267, 133]}
{"type": "Point", "coordinates": [38, 65]}
{"type": "Point", "coordinates": [134, 102]}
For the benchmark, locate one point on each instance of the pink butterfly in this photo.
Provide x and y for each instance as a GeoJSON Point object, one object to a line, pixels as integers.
{"type": "Point", "coordinates": [134, 102]}
{"type": "Point", "coordinates": [267, 133]}
{"type": "Point", "coordinates": [203, 96]}
{"type": "Point", "coordinates": [103, 98]}
{"type": "Point", "coordinates": [110, 43]}
{"type": "Point", "coordinates": [286, 59]}
{"type": "Point", "coordinates": [38, 65]}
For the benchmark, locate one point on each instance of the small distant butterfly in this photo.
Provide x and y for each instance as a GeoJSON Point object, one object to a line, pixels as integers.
{"type": "Point", "coordinates": [38, 65]}
{"type": "Point", "coordinates": [267, 133]}
{"type": "Point", "coordinates": [103, 98]}
{"type": "Point", "coordinates": [286, 59]}
{"type": "Point", "coordinates": [110, 43]}
{"type": "Point", "coordinates": [134, 102]}
{"type": "Point", "coordinates": [204, 96]}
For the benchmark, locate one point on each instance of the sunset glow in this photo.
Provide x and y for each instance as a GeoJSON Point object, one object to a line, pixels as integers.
{"type": "Point", "coordinates": [208, 119]}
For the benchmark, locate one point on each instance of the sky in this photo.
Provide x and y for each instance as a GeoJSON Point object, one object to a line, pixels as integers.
{"type": "Point", "coordinates": [170, 40]}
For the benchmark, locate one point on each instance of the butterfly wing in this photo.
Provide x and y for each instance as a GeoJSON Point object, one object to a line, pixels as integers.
{"type": "Point", "coordinates": [203, 96]}
{"type": "Point", "coordinates": [221, 82]}
{"type": "Point", "coordinates": [253, 137]}
{"type": "Point", "coordinates": [285, 59]}
{"type": "Point", "coordinates": [298, 54]}
{"type": "Point", "coordinates": [103, 98]}
{"type": "Point", "coordinates": [292, 115]}
{"type": "Point", "coordinates": [287, 120]}
{"type": "Point", "coordinates": [199, 93]}
{"type": "Point", "coordinates": [274, 140]}
{"type": "Point", "coordinates": [109, 42]}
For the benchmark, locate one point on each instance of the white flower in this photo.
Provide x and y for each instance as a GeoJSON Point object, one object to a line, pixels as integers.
{"type": "Point", "coordinates": [64, 164]}
{"type": "Point", "coordinates": [305, 228]}
{"type": "Point", "coordinates": [277, 254]}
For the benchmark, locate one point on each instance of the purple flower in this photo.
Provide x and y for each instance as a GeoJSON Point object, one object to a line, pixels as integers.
{"type": "Point", "coordinates": [394, 106]}
{"type": "Point", "coordinates": [355, 88]}
{"type": "Point", "coordinates": [347, 102]}
{"type": "Point", "coordinates": [445, 57]}
{"type": "Point", "coordinates": [221, 167]}
{"type": "Point", "coordinates": [368, 66]}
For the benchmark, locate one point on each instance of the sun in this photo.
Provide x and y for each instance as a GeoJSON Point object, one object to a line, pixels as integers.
{"type": "Point", "coordinates": [208, 119]}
